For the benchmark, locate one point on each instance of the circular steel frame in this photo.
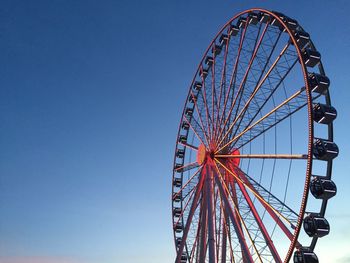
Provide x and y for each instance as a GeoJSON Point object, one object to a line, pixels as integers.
{"type": "Point", "coordinates": [310, 127]}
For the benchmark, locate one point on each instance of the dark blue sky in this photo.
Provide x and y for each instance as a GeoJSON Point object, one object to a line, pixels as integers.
{"type": "Point", "coordinates": [91, 94]}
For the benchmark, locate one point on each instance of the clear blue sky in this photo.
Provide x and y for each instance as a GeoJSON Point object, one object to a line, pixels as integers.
{"type": "Point", "coordinates": [91, 93]}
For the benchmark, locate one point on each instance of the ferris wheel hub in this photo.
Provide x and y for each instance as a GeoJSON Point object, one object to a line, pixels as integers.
{"type": "Point", "coordinates": [201, 154]}
{"type": "Point", "coordinates": [235, 160]}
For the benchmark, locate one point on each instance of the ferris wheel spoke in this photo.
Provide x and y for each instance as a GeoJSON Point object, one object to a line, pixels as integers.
{"type": "Point", "coordinates": [194, 246]}
{"type": "Point", "coordinates": [213, 95]}
{"type": "Point", "coordinates": [221, 238]}
{"type": "Point", "coordinates": [191, 193]}
{"type": "Point", "coordinates": [268, 58]}
{"type": "Point", "coordinates": [235, 221]}
{"type": "Point", "coordinates": [218, 223]}
{"type": "Point", "coordinates": [260, 224]}
{"type": "Point", "coordinates": [282, 209]}
{"type": "Point", "coordinates": [264, 156]}
{"type": "Point", "coordinates": [233, 197]}
{"type": "Point", "coordinates": [185, 144]}
{"type": "Point", "coordinates": [189, 219]}
{"type": "Point", "coordinates": [256, 89]}
{"type": "Point", "coordinates": [234, 73]}
{"type": "Point", "coordinates": [272, 90]}
{"type": "Point", "coordinates": [201, 109]}
{"type": "Point", "coordinates": [224, 238]}
{"type": "Point", "coordinates": [187, 167]}
{"type": "Point", "coordinates": [187, 198]}
{"type": "Point", "coordinates": [203, 232]}
{"type": "Point", "coordinates": [187, 183]}
{"type": "Point", "coordinates": [275, 213]}
{"type": "Point", "coordinates": [226, 235]}
{"type": "Point", "coordinates": [201, 125]}
{"type": "Point", "coordinates": [276, 208]}
{"type": "Point", "coordinates": [211, 227]}
{"type": "Point", "coordinates": [197, 129]}
{"type": "Point", "coordinates": [269, 122]}
{"type": "Point", "coordinates": [242, 84]}
{"type": "Point", "coordinates": [288, 107]}
{"type": "Point", "coordinates": [222, 82]}
{"type": "Point", "coordinates": [206, 109]}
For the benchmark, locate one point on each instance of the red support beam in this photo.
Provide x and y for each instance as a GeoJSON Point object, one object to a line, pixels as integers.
{"type": "Point", "coordinates": [261, 225]}
{"type": "Point", "coordinates": [267, 207]}
{"type": "Point", "coordinates": [203, 236]}
{"type": "Point", "coordinates": [189, 219]}
{"type": "Point", "coordinates": [235, 221]}
{"type": "Point", "coordinates": [211, 215]}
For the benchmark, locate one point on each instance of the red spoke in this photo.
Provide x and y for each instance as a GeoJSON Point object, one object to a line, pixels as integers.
{"type": "Point", "coordinates": [204, 95]}
{"type": "Point", "coordinates": [203, 237]}
{"type": "Point", "coordinates": [189, 220]}
{"type": "Point", "coordinates": [230, 184]}
{"type": "Point", "coordinates": [200, 117]}
{"type": "Point", "coordinates": [218, 229]}
{"type": "Point", "coordinates": [195, 132]}
{"type": "Point", "coordinates": [217, 222]}
{"type": "Point", "coordinates": [187, 167]}
{"type": "Point", "coordinates": [191, 192]}
{"type": "Point", "coordinates": [227, 233]}
{"type": "Point", "coordinates": [211, 227]}
{"type": "Point", "coordinates": [242, 84]}
{"type": "Point", "coordinates": [276, 215]}
{"type": "Point", "coordinates": [295, 95]}
{"type": "Point", "coordinates": [234, 220]}
{"type": "Point", "coordinates": [195, 242]}
{"type": "Point", "coordinates": [222, 81]}
{"type": "Point", "coordinates": [185, 206]}
{"type": "Point", "coordinates": [234, 200]}
{"type": "Point", "coordinates": [261, 225]}
{"type": "Point", "coordinates": [189, 180]}
{"type": "Point", "coordinates": [189, 146]}
{"type": "Point", "coordinates": [251, 188]}
{"type": "Point", "coordinates": [234, 72]}
{"type": "Point", "coordinates": [241, 221]}
{"type": "Point", "coordinates": [212, 93]}
{"type": "Point", "coordinates": [264, 156]}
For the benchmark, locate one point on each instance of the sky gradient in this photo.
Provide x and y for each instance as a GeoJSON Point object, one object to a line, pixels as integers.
{"type": "Point", "coordinates": [91, 94]}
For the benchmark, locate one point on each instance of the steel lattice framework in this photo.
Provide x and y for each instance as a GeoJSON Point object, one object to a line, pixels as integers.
{"type": "Point", "coordinates": [255, 137]}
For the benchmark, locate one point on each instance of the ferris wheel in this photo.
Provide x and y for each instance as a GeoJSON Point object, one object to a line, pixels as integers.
{"type": "Point", "coordinates": [255, 137]}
